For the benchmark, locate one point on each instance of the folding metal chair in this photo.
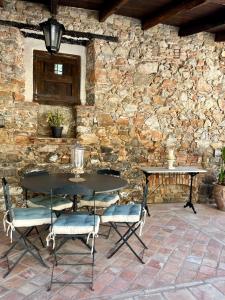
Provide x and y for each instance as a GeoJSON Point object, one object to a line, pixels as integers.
{"type": "Point", "coordinates": [28, 218]}
{"type": "Point", "coordinates": [133, 217]}
{"type": "Point", "coordinates": [102, 200]}
{"type": "Point", "coordinates": [81, 226]}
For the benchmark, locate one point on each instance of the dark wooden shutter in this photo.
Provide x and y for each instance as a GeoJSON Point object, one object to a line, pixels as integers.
{"type": "Point", "coordinates": [52, 88]}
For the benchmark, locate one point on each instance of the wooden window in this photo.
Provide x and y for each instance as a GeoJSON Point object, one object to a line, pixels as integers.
{"type": "Point", "coordinates": [56, 78]}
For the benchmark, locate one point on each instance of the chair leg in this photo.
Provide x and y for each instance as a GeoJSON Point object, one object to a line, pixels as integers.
{"type": "Point", "coordinates": [9, 250]}
{"type": "Point", "coordinates": [36, 256]}
{"type": "Point", "coordinates": [60, 245]}
{"type": "Point", "coordinates": [39, 236]}
{"type": "Point", "coordinates": [140, 240]}
{"type": "Point", "coordinates": [14, 264]}
{"type": "Point", "coordinates": [25, 243]}
{"type": "Point", "coordinates": [124, 240]}
{"type": "Point", "coordinates": [130, 228]}
{"type": "Point", "coordinates": [25, 238]}
{"type": "Point", "coordinates": [15, 243]}
{"type": "Point", "coordinates": [54, 264]}
{"type": "Point", "coordinates": [119, 240]}
{"type": "Point", "coordinates": [92, 268]}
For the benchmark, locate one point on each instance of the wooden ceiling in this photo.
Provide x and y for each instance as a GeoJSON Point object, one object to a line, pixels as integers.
{"type": "Point", "coordinates": [191, 16]}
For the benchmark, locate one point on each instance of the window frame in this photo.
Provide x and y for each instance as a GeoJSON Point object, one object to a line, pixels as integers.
{"type": "Point", "coordinates": [39, 77]}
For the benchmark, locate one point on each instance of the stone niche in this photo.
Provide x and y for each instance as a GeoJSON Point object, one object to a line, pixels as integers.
{"type": "Point", "coordinates": [69, 127]}
{"type": "Point", "coordinates": [69, 130]}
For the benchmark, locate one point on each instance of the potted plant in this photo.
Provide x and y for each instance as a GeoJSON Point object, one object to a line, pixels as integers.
{"type": "Point", "coordinates": [55, 121]}
{"type": "Point", "coordinates": [219, 187]}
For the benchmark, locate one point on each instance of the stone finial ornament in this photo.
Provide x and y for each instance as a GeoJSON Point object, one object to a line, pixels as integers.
{"type": "Point", "coordinates": [171, 158]}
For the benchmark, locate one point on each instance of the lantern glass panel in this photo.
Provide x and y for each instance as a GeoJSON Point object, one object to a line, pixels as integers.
{"type": "Point", "coordinates": [53, 31]}
{"type": "Point", "coordinates": [77, 160]}
{"type": "Point", "coordinates": [77, 156]}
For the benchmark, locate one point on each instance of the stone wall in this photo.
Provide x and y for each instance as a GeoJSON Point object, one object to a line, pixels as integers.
{"type": "Point", "coordinates": [150, 88]}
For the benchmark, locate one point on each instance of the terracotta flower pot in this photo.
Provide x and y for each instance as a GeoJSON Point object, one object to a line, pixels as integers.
{"type": "Point", "coordinates": [219, 196]}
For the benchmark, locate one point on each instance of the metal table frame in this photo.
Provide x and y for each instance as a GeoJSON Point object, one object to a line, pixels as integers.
{"type": "Point", "coordinates": [191, 171]}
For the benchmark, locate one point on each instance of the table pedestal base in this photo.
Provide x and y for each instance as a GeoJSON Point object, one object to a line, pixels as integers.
{"type": "Point", "coordinates": [190, 204]}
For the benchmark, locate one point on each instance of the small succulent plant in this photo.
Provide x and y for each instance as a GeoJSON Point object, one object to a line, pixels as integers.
{"type": "Point", "coordinates": [55, 119]}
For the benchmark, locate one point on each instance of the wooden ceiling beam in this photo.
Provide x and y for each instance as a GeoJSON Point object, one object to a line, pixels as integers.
{"type": "Point", "coordinates": [169, 11]}
{"type": "Point", "coordinates": [220, 36]}
{"type": "Point", "coordinates": [203, 24]}
{"type": "Point", "coordinates": [110, 8]}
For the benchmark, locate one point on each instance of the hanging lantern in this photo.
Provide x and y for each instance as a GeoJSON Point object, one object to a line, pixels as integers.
{"type": "Point", "coordinates": [53, 31]}
{"type": "Point", "coordinates": [77, 160]}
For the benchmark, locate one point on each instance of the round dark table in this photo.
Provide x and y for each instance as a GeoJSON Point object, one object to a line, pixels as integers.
{"type": "Point", "coordinates": [45, 183]}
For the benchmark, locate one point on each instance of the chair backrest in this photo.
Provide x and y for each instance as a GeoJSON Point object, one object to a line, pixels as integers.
{"type": "Point", "coordinates": [108, 172]}
{"type": "Point", "coordinates": [7, 198]}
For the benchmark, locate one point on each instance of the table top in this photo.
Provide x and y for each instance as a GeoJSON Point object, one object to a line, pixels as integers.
{"type": "Point", "coordinates": [176, 170]}
{"type": "Point", "coordinates": [99, 183]}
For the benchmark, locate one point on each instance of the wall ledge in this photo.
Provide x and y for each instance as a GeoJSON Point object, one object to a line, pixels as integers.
{"type": "Point", "coordinates": [52, 141]}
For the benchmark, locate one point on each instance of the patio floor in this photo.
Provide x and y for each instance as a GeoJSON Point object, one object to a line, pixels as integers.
{"type": "Point", "coordinates": [185, 260]}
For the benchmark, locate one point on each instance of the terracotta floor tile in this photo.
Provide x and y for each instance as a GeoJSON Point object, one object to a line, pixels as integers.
{"type": "Point", "coordinates": [3, 291]}
{"type": "Point", "coordinates": [179, 295]}
{"type": "Point", "coordinates": [190, 266]}
{"type": "Point", "coordinates": [220, 272]}
{"type": "Point", "coordinates": [128, 275]}
{"type": "Point", "coordinates": [69, 291]}
{"type": "Point", "coordinates": [14, 282]}
{"type": "Point", "coordinates": [171, 268]}
{"type": "Point", "coordinates": [220, 285]}
{"type": "Point", "coordinates": [27, 288]}
{"type": "Point", "coordinates": [207, 292]}
{"type": "Point", "coordinates": [202, 276]}
{"type": "Point", "coordinates": [210, 263]}
{"type": "Point", "coordinates": [13, 295]}
{"type": "Point", "coordinates": [208, 270]}
{"type": "Point", "coordinates": [28, 273]}
{"type": "Point", "coordinates": [186, 276]}
{"type": "Point", "coordinates": [167, 278]}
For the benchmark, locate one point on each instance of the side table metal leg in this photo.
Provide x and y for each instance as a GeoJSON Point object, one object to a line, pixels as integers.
{"type": "Point", "coordinates": [147, 209]}
{"type": "Point", "coordinates": [189, 202]}
{"type": "Point", "coordinates": [146, 193]}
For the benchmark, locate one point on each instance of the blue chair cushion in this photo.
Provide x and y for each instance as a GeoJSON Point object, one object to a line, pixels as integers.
{"type": "Point", "coordinates": [26, 217]}
{"type": "Point", "coordinates": [76, 224]}
{"type": "Point", "coordinates": [122, 213]}
{"type": "Point", "coordinates": [58, 203]}
{"type": "Point", "coordinates": [101, 200]}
